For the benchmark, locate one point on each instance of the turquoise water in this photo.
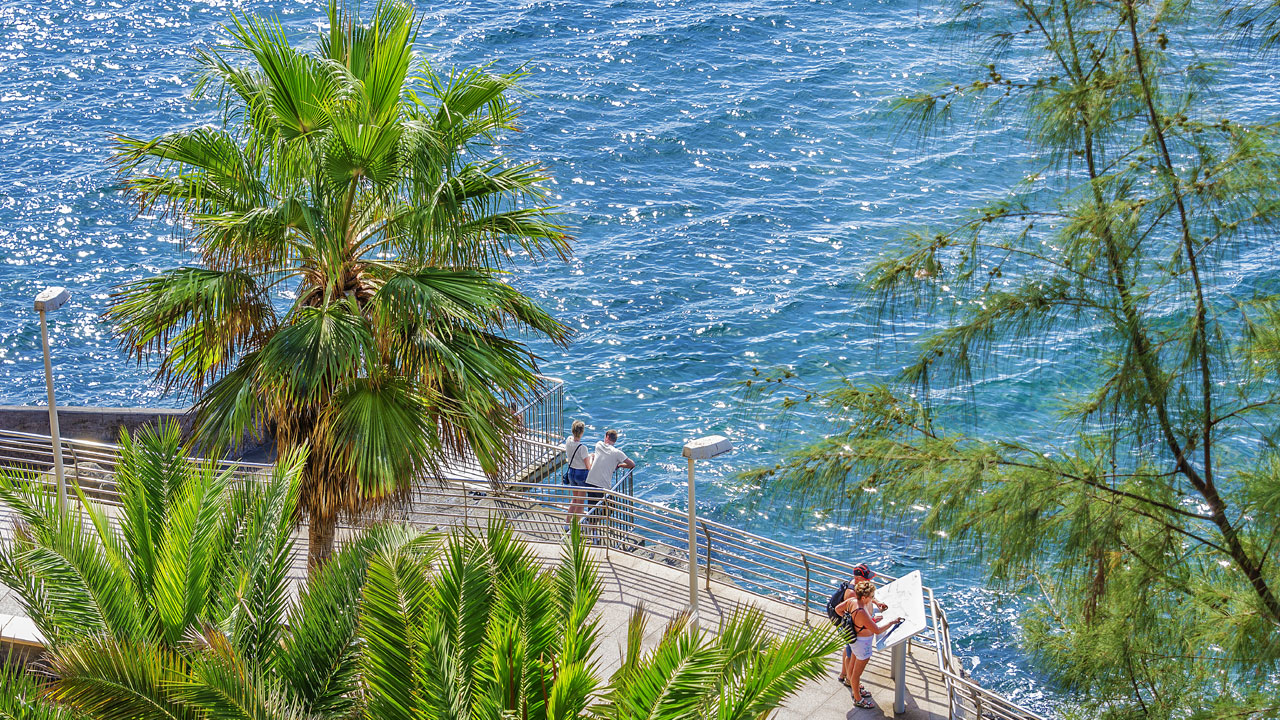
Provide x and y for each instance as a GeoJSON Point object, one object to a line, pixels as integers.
{"type": "Point", "coordinates": [727, 167]}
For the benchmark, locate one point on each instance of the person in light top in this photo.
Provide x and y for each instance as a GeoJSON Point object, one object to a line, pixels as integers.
{"type": "Point", "coordinates": [606, 459]}
{"type": "Point", "coordinates": [579, 463]}
{"type": "Point", "coordinates": [861, 573]}
{"type": "Point", "coordinates": [860, 631]}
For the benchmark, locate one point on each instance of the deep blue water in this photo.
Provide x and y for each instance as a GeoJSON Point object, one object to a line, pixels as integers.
{"type": "Point", "coordinates": [729, 170]}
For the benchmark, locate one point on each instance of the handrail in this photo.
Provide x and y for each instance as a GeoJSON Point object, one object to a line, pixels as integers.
{"type": "Point", "coordinates": [756, 564]}
{"type": "Point", "coordinates": [620, 521]}
{"type": "Point", "coordinates": [30, 452]}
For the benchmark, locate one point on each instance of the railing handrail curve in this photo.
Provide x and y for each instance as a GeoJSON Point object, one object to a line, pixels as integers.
{"type": "Point", "coordinates": [734, 550]}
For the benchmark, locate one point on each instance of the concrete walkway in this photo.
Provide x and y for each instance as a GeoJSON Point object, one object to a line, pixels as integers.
{"type": "Point", "coordinates": [629, 580]}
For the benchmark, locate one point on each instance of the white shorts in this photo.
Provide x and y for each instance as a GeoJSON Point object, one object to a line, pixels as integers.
{"type": "Point", "coordinates": [861, 647]}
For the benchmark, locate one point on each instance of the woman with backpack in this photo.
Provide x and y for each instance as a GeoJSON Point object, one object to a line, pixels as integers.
{"type": "Point", "coordinates": [845, 592]}
{"type": "Point", "coordinates": [860, 629]}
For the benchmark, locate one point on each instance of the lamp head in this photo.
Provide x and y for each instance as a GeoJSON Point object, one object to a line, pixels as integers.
{"type": "Point", "coordinates": [707, 447]}
{"type": "Point", "coordinates": [51, 299]}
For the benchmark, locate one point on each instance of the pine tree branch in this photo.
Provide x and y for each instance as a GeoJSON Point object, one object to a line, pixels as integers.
{"type": "Point", "coordinates": [1204, 484]}
{"type": "Point", "coordinates": [1272, 400]}
{"type": "Point", "coordinates": [1091, 482]}
{"type": "Point", "coordinates": [1168, 526]}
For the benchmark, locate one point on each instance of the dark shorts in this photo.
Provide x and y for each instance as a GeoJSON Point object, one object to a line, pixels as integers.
{"type": "Point", "coordinates": [578, 478]}
{"type": "Point", "coordinates": [594, 496]}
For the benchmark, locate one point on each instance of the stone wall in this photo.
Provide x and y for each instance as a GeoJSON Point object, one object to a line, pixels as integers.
{"type": "Point", "coordinates": [88, 423]}
{"type": "Point", "coordinates": [105, 424]}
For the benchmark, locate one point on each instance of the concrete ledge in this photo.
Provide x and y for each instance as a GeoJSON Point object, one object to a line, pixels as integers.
{"type": "Point", "coordinates": [104, 424]}
{"type": "Point", "coordinates": [89, 423]}
{"type": "Point", "coordinates": [20, 630]}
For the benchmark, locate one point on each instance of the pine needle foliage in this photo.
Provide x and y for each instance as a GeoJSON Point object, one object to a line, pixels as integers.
{"type": "Point", "coordinates": [1147, 534]}
{"type": "Point", "coordinates": [353, 216]}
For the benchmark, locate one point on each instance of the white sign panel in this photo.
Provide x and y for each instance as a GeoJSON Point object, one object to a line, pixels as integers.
{"type": "Point", "coordinates": [905, 598]}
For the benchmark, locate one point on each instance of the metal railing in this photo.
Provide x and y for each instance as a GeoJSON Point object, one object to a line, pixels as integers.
{"type": "Point", "coordinates": [758, 565]}
{"type": "Point", "coordinates": [90, 465]}
{"type": "Point", "coordinates": [533, 451]}
{"type": "Point", "coordinates": [617, 521]}
{"type": "Point", "coordinates": [541, 417]}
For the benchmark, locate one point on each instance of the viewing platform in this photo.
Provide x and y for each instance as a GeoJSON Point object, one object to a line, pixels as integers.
{"type": "Point", "coordinates": [641, 552]}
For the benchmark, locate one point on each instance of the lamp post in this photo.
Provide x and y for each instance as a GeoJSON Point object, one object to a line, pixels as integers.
{"type": "Point", "coordinates": [48, 300]}
{"type": "Point", "coordinates": [700, 449]}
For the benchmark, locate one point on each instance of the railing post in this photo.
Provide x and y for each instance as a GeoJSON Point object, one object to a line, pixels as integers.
{"type": "Point", "coordinates": [707, 534]}
{"type": "Point", "coordinates": [805, 559]}
{"type": "Point", "coordinates": [605, 504]}
{"type": "Point", "coordinates": [75, 466]}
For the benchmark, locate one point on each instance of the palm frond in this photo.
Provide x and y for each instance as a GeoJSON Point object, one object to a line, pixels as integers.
{"type": "Point", "coordinates": [395, 620]}
{"type": "Point", "coordinates": [577, 586]}
{"type": "Point", "coordinates": [184, 561]}
{"type": "Point", "coordinates": [761, 672]}
{"type": "Point", "coordinates": [67, 582]}
{"type": "Point", "coordinates": [109, 681]}
{"type": "Point", "coordinates": [571, 692]}
{"type": "Point", "coordinates": [22, 697]}
{"type": "Point", "coordinates": [261, 560]}
{"type": "Point", "coordinates": [232, 408]}
{"type": "Point", "coordinates": [299, 88]}
{"type": "Point", "coordinates": [385, 434]}
{"type": "Point", "coordinates": [673, 681]}
{"type": "Point", "coordinates": [196, 321]}
{"type": "Point", "coordinates": [320, 348]}
{"type": "Point", "coordinates": [318, 657]}
{"type": "Point", "coordinates": [222, 685]}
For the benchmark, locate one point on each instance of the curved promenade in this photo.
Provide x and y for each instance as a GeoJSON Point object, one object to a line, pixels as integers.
{"type": "Point", "coordinates": [641, 551]}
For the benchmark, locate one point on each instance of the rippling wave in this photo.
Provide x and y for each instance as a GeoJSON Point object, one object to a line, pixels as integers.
{"type": "Point", "coordinates": [728, 167]}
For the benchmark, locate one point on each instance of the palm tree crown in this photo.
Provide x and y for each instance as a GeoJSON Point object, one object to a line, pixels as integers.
{"type": "Point", "coordinates": [353, 220]}
{"type": "Point", "coordinates": [182, 595]}
{"type": "Point", "coordinates": [398, 625]}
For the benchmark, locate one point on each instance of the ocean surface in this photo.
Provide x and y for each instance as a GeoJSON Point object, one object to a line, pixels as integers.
{"type": "Point", "coordinates": [728, 168]}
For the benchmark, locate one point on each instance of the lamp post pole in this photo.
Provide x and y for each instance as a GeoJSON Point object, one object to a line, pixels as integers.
{"type": "Point", "coordinates": [693, 549]}
{"type": "Point", "coordinates": [700, 449]}
{"type": "Point", "coordinates": [51, 299]}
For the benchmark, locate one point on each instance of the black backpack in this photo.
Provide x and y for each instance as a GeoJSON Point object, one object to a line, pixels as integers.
{"type": "Point", "coordinates": [836, 599]}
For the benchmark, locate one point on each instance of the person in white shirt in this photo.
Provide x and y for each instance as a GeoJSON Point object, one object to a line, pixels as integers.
{"type": "Point", "coordinates": [604, 462]}
{"type": "Point", "coordinates": [579, 463]}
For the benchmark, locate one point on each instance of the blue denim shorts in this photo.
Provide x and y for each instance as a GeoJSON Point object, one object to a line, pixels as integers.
{"type": "Point", "coordinates": [578, 478]}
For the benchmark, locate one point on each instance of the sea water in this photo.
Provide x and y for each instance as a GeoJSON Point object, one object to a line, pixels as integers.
{"type": "Point", "coordinates": [729, 171]}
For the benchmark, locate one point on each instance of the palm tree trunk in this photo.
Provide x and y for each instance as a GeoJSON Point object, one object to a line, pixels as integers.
{"type": "Point", "coordinates": [321, 531]}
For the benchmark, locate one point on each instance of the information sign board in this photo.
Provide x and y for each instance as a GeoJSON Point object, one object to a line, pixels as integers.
{"type": "Point", "coordinates": [905, 598]}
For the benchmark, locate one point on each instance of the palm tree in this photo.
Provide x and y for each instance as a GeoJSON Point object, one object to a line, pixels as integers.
{"type": "Point", "coordinates": [352, 215]}
{"type": "Point", "coordinates": [487, 633]}
{"type": "Point", "coordinates": [176, 605]}
{"type": "Point", "coordinates": [182, 591]}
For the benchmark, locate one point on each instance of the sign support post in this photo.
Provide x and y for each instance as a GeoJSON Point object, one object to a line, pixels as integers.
{"type": "Point", "coordinates": [905, 598]}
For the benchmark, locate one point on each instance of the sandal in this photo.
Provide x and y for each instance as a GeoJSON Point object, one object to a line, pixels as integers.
{"type": "Point", "coordinates": [844, 681]}
{"type": "Point", "coordinates": [865, 692]}
{"type": "Point", "coordinates": [864, 704]}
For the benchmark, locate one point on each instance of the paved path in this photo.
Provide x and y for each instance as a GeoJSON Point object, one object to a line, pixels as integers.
{"type": "Point", "coordinates": [628, 580]}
